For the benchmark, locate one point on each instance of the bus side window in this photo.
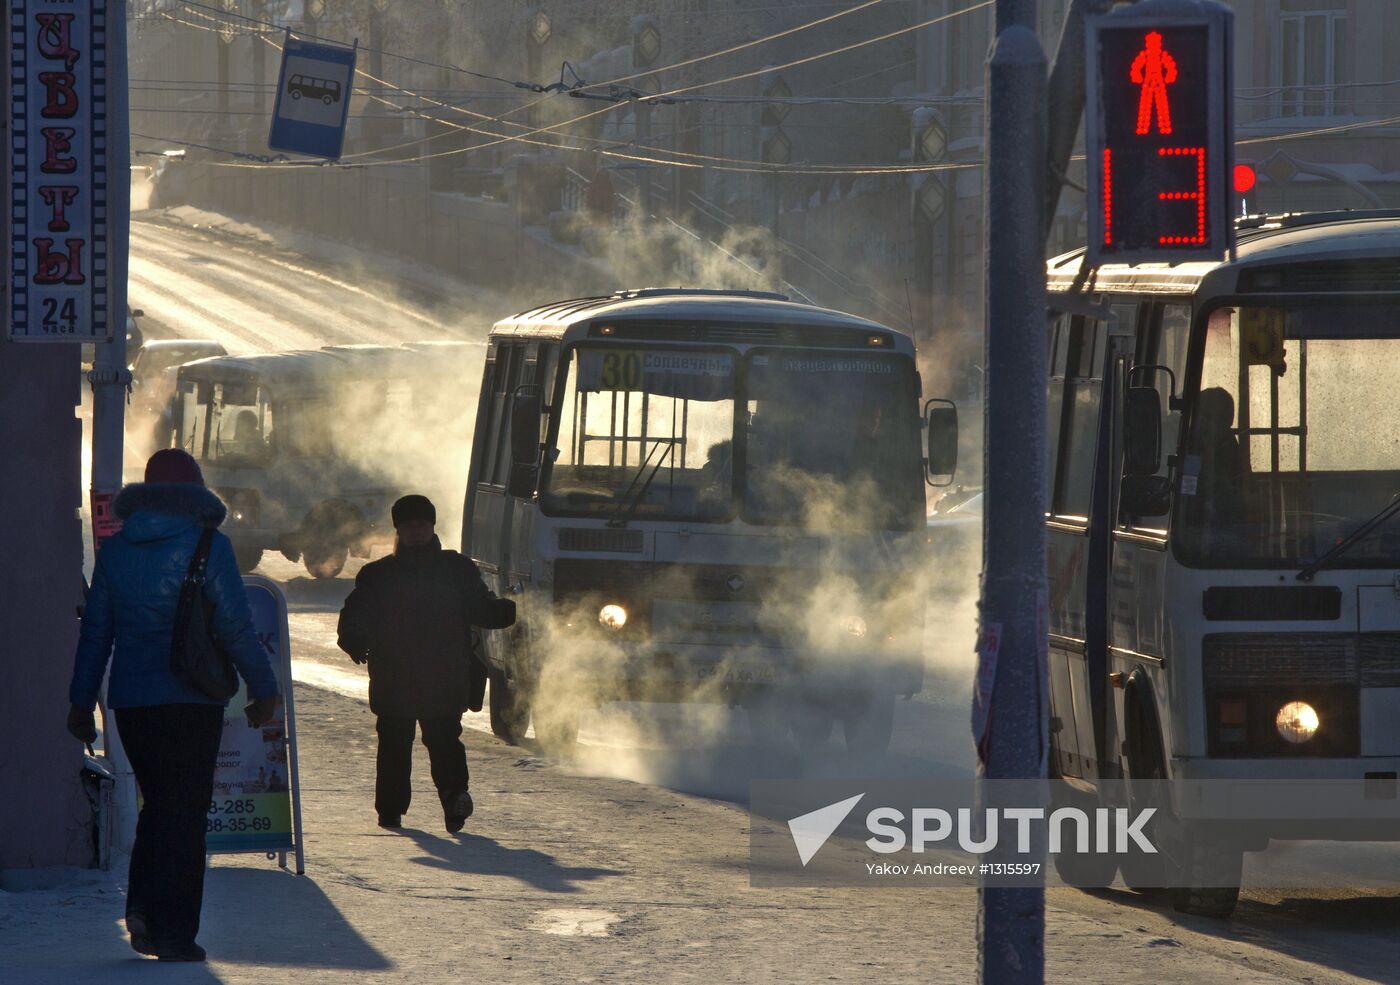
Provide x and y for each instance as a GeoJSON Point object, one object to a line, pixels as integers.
{"type": "Point", "coordinates": [1169, 329]}
{"type": "Point", "coordinates": [509, 361]}
{"type": "Point", "coordinates": [545, 365]}
{"type": "Point", "coordinates": [1078, 436]}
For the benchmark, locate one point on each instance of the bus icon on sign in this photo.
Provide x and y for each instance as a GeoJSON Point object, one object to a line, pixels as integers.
{"type": "Point", "coordinates": [326, 90]}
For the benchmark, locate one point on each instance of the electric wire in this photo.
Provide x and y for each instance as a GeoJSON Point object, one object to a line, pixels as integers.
{"type": "Point", "coordinates": [716, 162]}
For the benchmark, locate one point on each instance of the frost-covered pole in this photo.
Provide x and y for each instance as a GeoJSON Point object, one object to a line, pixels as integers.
{"type": "Point", "coordinates": [110, 377]}
{"type": "Point", "coordinates": [1012, 679]}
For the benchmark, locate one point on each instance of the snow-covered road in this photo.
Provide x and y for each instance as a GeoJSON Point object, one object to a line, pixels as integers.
{"type": "Point", "coordinates": [197, 275]}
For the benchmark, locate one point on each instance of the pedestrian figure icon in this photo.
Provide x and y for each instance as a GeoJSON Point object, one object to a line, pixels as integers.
{"type": "Point", "coordinates": [1154, 70]}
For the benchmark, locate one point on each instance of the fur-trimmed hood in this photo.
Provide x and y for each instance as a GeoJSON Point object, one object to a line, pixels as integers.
{"type": "Point", "coordinates": [156, 510]}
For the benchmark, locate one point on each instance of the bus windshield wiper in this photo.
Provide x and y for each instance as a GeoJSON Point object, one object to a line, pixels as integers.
{"type": "Point", "coordinates": [1347, 542]}
{"type": "Point", "coordinates": [630, 500]}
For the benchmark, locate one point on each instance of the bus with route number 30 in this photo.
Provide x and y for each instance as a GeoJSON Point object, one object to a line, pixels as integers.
{"type": "Point", "coordinates": [704, 495]}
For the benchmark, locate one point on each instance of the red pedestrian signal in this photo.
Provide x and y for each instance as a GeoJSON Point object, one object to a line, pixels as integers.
{"type": "Point", "coordinates": [1244, 178]}
{"type": "Point", "coordinates": [1158, 127]}
{"type": "Point", "coordinates": [1154, 70]}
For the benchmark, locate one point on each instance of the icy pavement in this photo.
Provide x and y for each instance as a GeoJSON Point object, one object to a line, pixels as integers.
{"type": "Point", "coordinates": [564, 877]}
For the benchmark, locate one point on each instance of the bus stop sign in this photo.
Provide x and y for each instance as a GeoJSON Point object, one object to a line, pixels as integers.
{"type": "Point", "coordinates": [1159, 132]}
{"type": "Point", "coordinates": [313, 98]}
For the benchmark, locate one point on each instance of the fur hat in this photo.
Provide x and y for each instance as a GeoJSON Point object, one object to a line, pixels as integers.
{"type": "Point", "coordinates": [413, 507]}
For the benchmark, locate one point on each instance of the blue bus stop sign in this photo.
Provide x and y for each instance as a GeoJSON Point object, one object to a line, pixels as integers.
{"type": "Point", "coordinates": [313, 99]}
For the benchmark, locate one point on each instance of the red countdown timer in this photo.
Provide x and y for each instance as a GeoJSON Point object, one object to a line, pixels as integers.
{"type": "Point", "coordinates": [1158, 135]}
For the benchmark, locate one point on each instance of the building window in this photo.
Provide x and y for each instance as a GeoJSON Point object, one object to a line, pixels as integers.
{"type": "Point", "coordinates": [1312, 62]}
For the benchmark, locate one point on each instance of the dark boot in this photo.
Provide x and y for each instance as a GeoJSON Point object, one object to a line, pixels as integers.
{"type": "Point", "coordinates": [456, 809]}
{"type": "Point", "coordinates": [140, 935]}
{"type": "Point", "coordinates": [189, 951]}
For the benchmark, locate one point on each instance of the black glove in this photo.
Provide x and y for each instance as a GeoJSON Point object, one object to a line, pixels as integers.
{"type": "Point", "coordinates": [82, 725]}
{"type": "Point", "coordinates": [259, 711]}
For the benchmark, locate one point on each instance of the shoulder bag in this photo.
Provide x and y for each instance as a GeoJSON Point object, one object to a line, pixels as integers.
{"type": "Point", "coordinates": [196, 657]}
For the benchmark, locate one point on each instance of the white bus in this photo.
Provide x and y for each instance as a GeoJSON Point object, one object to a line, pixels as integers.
{"type": "Point", "coordinates": [1224, 589]}
{"type": "Point", "coordinates": [310, 448]}
{"type": "Point", "coordinates": [703, 496]}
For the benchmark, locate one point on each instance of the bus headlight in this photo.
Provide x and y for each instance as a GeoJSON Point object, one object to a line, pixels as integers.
{"type": "Point", "coordinates": [855, 626]}
{"type": "Point", "coordinates": [1297, 722]}
{"type": "Point", "coordinates": [613, 616]}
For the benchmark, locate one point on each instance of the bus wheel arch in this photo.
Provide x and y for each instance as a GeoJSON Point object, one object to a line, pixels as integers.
{"type": "Point", "coordinates": [1199, 859]}
{"type": "Point", "coordinates": [507, 695]}
{"type": "Point", "coordinates": [328, 532]}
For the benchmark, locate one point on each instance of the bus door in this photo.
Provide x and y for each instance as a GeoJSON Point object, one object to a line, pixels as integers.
{"type": "Point", "coordinates": [491, 509]}
{"type": "Point", "coordinates": [537, 367]}
{"type": "Point", "coordinates": [1135, 603]}
{"type": "Point", "coordinates": [1085, 455]}
{"type": "Point", "coordinates": [1079, 346]}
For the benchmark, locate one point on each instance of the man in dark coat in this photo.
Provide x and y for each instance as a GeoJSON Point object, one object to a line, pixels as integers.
{"type": "Point", "coordinates": [411, 616]}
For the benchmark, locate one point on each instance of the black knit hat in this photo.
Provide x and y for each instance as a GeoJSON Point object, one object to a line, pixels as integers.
{"type": "Point", "coordinates": [413, 507]}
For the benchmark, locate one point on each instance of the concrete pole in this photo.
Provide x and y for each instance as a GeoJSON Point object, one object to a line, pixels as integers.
{"type": "Point", "coordinates": [1011, 924]}
{"type": "Point", "coordinates": [43, 809]}
{"type": "Point", "coordinates": [110, 378]}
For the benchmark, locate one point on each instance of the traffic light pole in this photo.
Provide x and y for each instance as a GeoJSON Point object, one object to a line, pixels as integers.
{"type": "Point", "coordinates": [1012, 645]}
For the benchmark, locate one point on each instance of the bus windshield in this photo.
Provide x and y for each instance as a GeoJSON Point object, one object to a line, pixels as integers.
{"type": "Point", "coordinates": [826, 439]}
{"type": "Point", "coordinates": [831, 440]}
{"type": "Point", "coordinates": [1288, 450]}
{"type": "Point", "coordinates": [633, 432]}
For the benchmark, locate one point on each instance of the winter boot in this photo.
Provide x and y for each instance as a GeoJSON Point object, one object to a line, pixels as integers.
{"type": "Point", "coordinates": [456, 809]}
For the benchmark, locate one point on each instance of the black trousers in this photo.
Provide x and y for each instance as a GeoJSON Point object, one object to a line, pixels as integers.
{"type": "Point", "coordinates": [446, 755]}
{"type": "Point", "coordinates": [172, 749]}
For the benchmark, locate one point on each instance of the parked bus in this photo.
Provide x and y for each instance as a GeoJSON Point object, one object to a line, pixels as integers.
{"type": "Point", "coordinates": [310, 448]}
{"type": "Point", "coordinates": [1224, 597]}
{"type": "Point", "coordinates": [702, 496]}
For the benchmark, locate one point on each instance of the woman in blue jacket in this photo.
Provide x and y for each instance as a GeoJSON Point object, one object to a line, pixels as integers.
{"type": "Point", "coordinates": [171, 731]}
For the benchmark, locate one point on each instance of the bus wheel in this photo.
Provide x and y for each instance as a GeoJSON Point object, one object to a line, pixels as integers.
{"type": "Point", "coordinates": [327, 533]}
{"type": "Point", "coordinates": [247, 556]}
{"type": "Point", "coordinates": [1204, 863]}
{"type": "Point", "coordinates": [509, 708]}
{"type": "Point", "coordinates": [868, 722]}
{"type": "Point", "coordinates": [1084, 871]}
{"type": "Point", "coordinates": [324, 560]}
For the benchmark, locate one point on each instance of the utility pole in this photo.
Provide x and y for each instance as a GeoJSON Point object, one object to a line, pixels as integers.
{"type": "Point", "coordinates": [1013, 736]}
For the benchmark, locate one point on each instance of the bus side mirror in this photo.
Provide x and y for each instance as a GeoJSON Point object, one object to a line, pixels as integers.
{"type": "Point", "coordinates": [524, 442]}
{"type": "Point", "coordinates": [1142, 432]}
{"type": "Point", "coordinates": [941, 425]}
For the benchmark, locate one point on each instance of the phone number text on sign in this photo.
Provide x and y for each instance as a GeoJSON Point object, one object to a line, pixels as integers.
{"type": "Point", "coordinates": [58, 170]}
